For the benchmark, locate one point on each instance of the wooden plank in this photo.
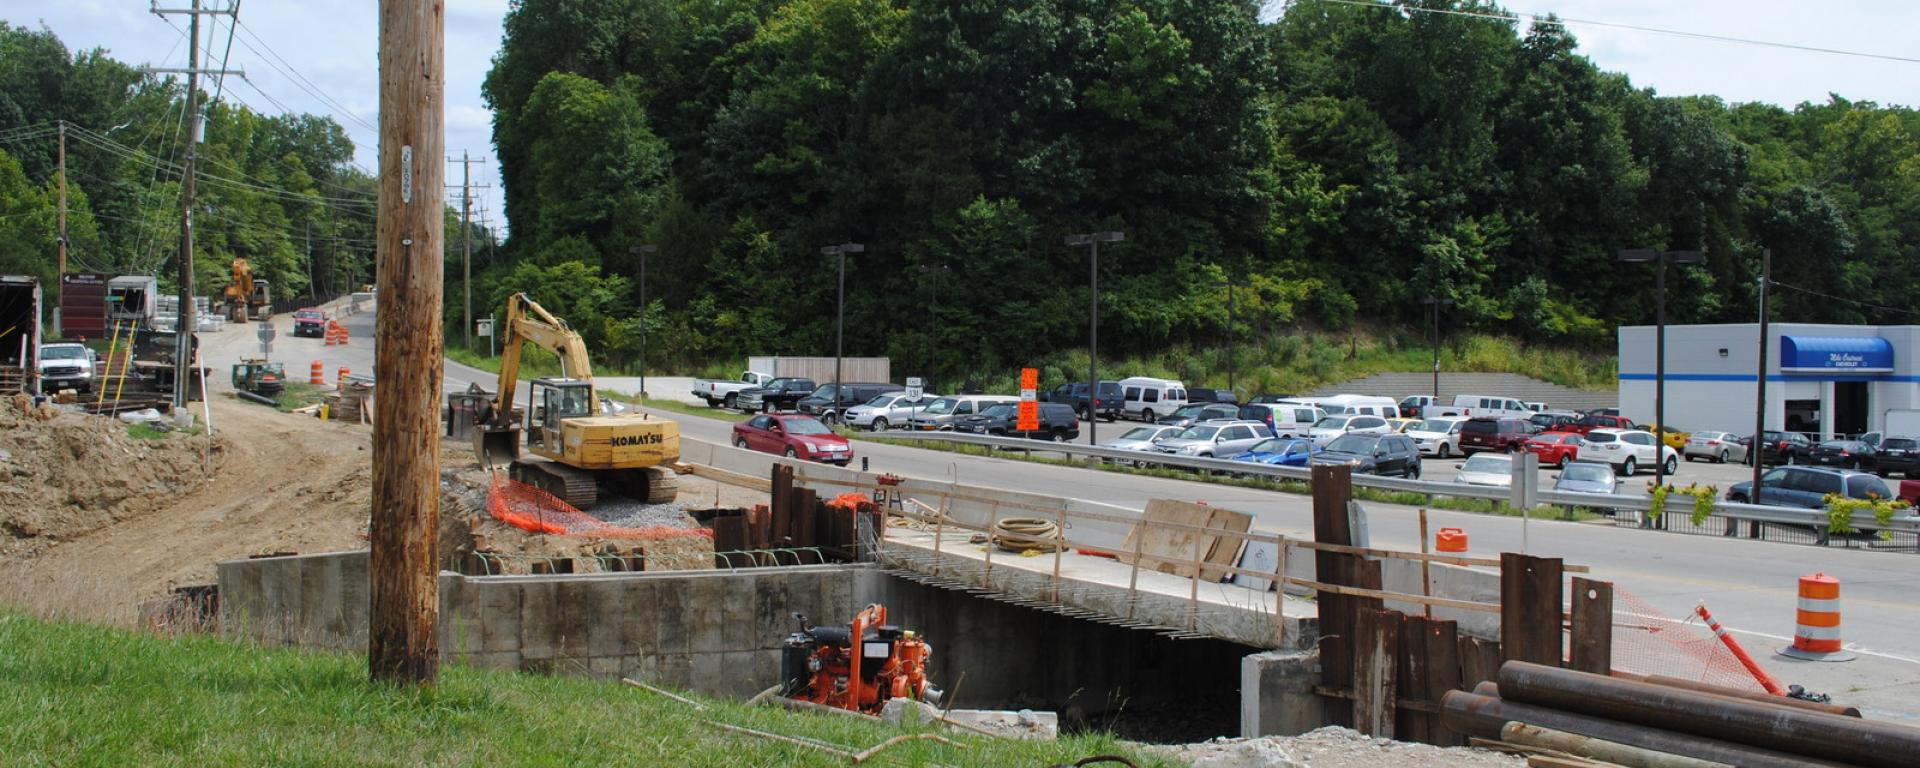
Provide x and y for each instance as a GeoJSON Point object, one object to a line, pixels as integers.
{"type": "Point", "coordinates": [1530, 607]}
{"type": "Point", "coordinates": [1396, 554]}
{"type": "Point", "coordinates": [1376, 645]}
{"type": "Point", "coordinates": [1410, 679]}
{"type": "Point", "coordinates": [1171, 548]}
{"type": "Point", "coordinates": [1224, 550]}
{"type": "Point", "coordinates": [1332, 488]}
{"type": "Point", "coordinates": [1479, 661]}
{"type": "Point", "coordinates": [1443, 674]}
{"type": "Point", "coordinates": [1592, 626]}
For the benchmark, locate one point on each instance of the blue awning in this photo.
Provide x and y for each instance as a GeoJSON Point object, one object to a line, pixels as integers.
{"type": "Point", "coordinates": [1835, 354]}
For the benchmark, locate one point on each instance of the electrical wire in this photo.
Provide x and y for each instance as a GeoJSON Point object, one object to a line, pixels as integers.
{"type": "Point", "coordinates": [1843, 299]}
{"type": "Point", "coordinates": [312, 89]}
{"type": "Point", "coordinates": [1561, 21]}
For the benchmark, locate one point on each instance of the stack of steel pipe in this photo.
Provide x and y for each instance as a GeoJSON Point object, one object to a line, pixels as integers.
{"type": "Point", "coordinates": [1731, 729]}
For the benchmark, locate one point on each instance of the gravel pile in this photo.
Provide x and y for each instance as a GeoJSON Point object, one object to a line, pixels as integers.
{"type": "Point", "coordinates": [631, 513]}
{"type": "Point", "coordinates": [1333, 747]}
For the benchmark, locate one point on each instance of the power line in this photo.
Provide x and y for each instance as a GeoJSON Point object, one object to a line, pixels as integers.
{"type": "Point", "coordinates": [1843, 299]}
{"type": "Point", "coordinates": [1541, 18]}
{"type": "Point", "coordinates": [300, 80]}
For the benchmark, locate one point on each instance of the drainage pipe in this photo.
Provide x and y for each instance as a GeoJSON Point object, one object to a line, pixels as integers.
{"type": "Point", "coordinates": [1485, 716]}
{"type": "Point", "coordinates": [1774, 726]}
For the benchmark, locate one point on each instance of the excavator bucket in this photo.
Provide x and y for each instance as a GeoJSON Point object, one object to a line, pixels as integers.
{"type": "Point", "coordinates": [496, 446]}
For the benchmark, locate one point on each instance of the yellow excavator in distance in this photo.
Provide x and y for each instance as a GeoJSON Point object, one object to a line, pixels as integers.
{"type": "Point", "coordinates": [578, 446]}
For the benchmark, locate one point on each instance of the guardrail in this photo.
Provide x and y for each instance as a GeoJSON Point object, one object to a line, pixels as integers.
{"type": "Point", "coordinates": [1810, 524]}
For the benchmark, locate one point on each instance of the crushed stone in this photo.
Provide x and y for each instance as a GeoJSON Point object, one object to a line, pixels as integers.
{"type": "Point", "coordinates": [1332, 747]}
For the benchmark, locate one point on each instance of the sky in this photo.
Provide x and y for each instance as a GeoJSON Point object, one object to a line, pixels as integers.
{"type": "Point", "coordinates": [320, 56]}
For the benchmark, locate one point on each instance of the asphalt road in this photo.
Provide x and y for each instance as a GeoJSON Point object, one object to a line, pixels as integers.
{"type": "Point", "coordinates": [1749, 585]}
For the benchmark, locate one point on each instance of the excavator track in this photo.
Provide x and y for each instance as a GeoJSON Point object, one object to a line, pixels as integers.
{"type": "Point", "coordinates": [654, 485]}
{"type": "Point", "coordinates": [570, 485]}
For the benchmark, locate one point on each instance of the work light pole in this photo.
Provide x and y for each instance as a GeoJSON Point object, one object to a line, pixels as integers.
{"type": "Point", "coordinates": [1093, 241]}
{"type": "Point", "coordinates": [1660, 260]}
{"type": "Point", "coordinates": [840, 316]}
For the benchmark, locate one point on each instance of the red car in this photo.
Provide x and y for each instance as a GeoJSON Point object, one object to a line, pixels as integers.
{"type": "Point", "coordinates": [1595, 421]}
{"type": "Point", "coordinates": [1556, 448]}
{"type": "Point", "coordinates": [794, 435]}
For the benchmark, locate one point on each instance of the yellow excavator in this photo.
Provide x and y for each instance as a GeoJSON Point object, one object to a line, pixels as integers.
{"type": "Point", "coordinates": [576, 445]}
{"type": "Point", "coordinates": [246, 297]}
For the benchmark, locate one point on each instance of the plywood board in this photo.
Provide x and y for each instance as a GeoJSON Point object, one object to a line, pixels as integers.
{"type": "Point", "coordinates": [1164, 549]}
{"type": "Point", "coordinates": [1225, 549]}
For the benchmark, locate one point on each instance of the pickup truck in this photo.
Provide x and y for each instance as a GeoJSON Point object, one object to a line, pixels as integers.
{"type": "Point", "coordinates": [782, 394]}
{"type": "Point", "coordinates": [718, 393]}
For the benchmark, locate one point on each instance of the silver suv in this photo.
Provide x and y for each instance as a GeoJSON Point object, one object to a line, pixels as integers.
{"type": "Point", "coordinates": [888, 411]}
{"type": "Point", "coordinates": [1218, 438]}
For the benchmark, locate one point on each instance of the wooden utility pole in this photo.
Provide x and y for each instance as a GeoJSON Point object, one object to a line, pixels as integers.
{"type": "Point", "coordinates": [403, 638]}
{"type": "Point", "coordinates": [466, 246]}
{"type": "Point", "coordinates": [62, 240]}
{"type": "Point", "coordinates": [184, 324]}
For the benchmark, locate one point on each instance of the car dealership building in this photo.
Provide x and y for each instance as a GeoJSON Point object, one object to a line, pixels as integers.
{"type": "Point", "coordinates": [1824, 379]}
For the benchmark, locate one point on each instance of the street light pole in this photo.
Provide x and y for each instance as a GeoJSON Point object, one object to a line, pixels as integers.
{"type": "Point", "coordinates": [642, 250]}
{"type": "Point", "coordinates": [840, 316]}
{"type": "Point", "coordinates": [1093, 240]}
{"type": "Point", "coordinates": [1434, 303]}
{"type": "Point", "coordinates": [933, 317]}
{"type": "Point", "coordinates": [1660, 260]}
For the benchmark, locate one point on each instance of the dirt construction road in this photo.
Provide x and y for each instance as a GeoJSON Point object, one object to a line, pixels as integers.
{"type": "Point", "coordinates": [274, 482]}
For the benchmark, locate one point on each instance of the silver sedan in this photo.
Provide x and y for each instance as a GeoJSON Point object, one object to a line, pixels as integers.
{"type": "Point", "coordinates": [1717, 447]}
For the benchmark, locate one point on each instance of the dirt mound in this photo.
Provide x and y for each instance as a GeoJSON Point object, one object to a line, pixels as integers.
{"type": "Point", "coordinates": [68, 474]}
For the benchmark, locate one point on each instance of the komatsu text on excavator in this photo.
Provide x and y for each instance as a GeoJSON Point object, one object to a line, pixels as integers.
{"type": "Point", "coordinates": [578, 446]}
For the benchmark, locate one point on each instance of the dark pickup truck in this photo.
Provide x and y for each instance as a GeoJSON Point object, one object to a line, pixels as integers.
{"type": "Point", "coordinates": [1075, 395]}
{"type": "Point", "coordinates": [782, 394]}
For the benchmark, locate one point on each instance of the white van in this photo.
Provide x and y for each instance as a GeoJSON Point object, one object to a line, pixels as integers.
{"type": "Point", "coordinates": [1472, 406]}
{"type": "Point", "coordinates": [1147, 399]}
{"type": "Point", "coordinates": [1360, 405]}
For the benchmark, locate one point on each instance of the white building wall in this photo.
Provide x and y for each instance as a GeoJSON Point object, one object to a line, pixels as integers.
{"type": "Point", "coordinates": [1711, 368]}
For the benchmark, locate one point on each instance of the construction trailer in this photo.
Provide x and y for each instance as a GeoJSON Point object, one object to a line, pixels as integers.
{"type": "Point", "coordinates": [19, 334]}
{"type": "Point", "coordinates": [132, 300]}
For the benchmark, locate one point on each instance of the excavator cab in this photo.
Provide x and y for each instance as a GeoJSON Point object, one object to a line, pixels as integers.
{"type": "Point", "coordinates": [554, 401]}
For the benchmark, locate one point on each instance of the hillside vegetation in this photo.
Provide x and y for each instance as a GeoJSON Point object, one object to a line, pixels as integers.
{"type": "Point", "coordinates": [1329, 164]}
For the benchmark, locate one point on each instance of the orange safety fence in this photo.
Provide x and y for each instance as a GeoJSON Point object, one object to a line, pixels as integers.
{"type": "Point", "coordinates": [1647, 642]}
{"type": "Point", "coordinates": [531, 509]}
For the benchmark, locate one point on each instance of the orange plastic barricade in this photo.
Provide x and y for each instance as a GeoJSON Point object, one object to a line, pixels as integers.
{"type": "Point", "coordinates": [1450, 540]}
{"type": "Point", "coordinates": [317, 375]}
{"type": "Point", "coordinates": [1816, 633]}
{"type": "Point", "coordinates": [344, 373]}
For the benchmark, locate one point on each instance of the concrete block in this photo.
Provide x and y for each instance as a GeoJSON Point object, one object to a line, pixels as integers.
{"type": "Point", "coordinates": [492, 660]}
{"type": "Point", "coordinates": [709, 674]}
{"type": "Point", "coordinates": [604, 667]}
{"type": "Point", "coordinates": [706, 613]}
{"type": "Point", "coordinates": [1276, 694]}
{"type": "Point", "coordinates": [740, 673]}
{"type": "Point", "coordinates": [607, 611]}
{"type": "Point", "coordinates": [540, 623]}
{"type": "Point", "coordinates": [639, 623]}
{"type": "Point", "coordinates": [573, 615]}
{"type": "Point", "coordinates": [673, 670]}
{"type": "Point", "coordinates": [740, 622]}
{"type": "Point", "coordinates": [498, 610]}
{"type": "Point", "coordinates": [671, 615]}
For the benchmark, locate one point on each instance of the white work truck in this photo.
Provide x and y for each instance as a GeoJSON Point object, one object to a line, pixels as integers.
{"type": "Point", "coordinates": [718, 393]}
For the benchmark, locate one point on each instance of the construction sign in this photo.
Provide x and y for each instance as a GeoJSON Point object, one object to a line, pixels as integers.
{"type": "Point", "coordinates": [1029, 400]}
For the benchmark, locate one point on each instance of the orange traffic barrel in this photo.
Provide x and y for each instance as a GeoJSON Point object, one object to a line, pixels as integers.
{"type": "Point", "coordinates": [1450, 540]}
{"type": "Point", "coordinates": [1816, 631]}
{"type": "Point", "coordinates": [344, 373]}
{"type": "Point", "coordinates": [317, 375]}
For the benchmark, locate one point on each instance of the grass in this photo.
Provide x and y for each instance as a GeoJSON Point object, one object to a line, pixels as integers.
{"type": "Point", "coordinates": [298, 394]}
{"type": "Point", "coordinates": [141, 430]}
{"type": "Point", "coordinates": [77, 694]}
{"type": "Point", "coordinates": [1404, 498]}
{"type": "Point", "coordinates": [1302, 361]}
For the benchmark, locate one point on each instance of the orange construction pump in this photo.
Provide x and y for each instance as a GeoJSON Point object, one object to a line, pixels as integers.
{"type": "Point", "coordinates": [825, 665]}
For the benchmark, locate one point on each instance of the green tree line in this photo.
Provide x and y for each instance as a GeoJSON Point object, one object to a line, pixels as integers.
{"type": "Point", "coordinates": [1332, 164]}
{"type": "Point", "coordinates": [281, 191]}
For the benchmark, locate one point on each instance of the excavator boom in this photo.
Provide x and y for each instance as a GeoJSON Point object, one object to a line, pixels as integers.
{"type": "Point", "coordinates": [526, 322]}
